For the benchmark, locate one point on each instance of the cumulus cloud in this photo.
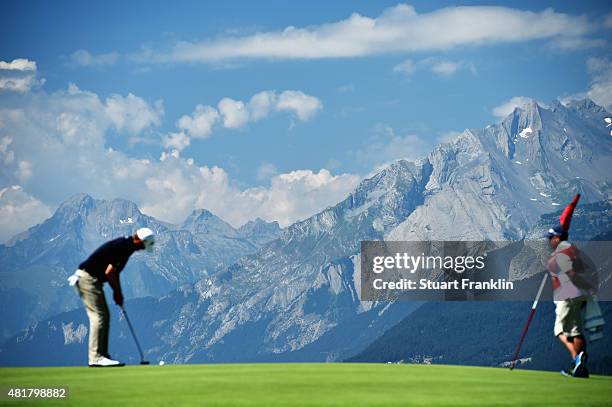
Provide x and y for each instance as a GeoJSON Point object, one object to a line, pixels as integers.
{"type": "Point", "coordinates": [84, 58]}
{"type": "Point", "coordinates": [290, 197]}
{"type": "Point", "coordinates": [235, 114]}
{"type": "Point", "coordinates": [19, 75]}
{"type": "Point", "coordinates": [132, 113]}
{"type": "Point", "coordinates": [508, 106]}
{"type": "Point", "coordinates": [19, 211]}
{"type": "Point", "coordinates": [62, 143]}
{"type": "Point", "coordinates": [176, 141]}
{"type": "Point", "coordinates": [302, 105]}
{"type": "Point", "coordinates": [396, 29]}
{"type": "Point", "coordinates": [19, 64]}
{"type": "Point", "coordinates": [200, 123]}
{"type": "Point", "coordinates": [261, 104]}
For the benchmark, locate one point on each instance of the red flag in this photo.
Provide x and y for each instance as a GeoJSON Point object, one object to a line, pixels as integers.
{"type": "Point", "coordinates": [566, 216]}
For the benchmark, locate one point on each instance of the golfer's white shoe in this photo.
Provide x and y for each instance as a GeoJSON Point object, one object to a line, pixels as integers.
{"type": "Point", "coordinates": [106, 362]}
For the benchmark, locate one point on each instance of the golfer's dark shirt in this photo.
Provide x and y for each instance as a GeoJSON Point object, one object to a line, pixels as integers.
{"type": "Point", "coordinates": [115, 252]}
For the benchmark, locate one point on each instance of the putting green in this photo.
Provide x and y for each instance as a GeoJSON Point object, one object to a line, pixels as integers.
{"type": "Point", "coordinates": [341, 384]}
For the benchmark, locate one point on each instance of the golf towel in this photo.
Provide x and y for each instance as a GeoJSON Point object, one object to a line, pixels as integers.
{"type": "Point", "coordinates": [593, 320]}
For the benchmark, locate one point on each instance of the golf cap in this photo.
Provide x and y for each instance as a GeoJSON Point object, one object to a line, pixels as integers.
{"type": "Point", "coordinates": [556, 231]}
{"type": "Point", "coordinates": [147, 237]}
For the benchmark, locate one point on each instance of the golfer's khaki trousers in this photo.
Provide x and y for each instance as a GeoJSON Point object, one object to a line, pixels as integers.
{"type": "Point", "coordinates": [91, 292]}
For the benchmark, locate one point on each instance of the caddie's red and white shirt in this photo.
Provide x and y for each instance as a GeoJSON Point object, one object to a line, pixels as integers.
{"type": "Point", "coordinates": [560, 262]}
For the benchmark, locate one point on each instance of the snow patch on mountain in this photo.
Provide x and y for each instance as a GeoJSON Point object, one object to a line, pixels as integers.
{"type": "Point", "coordinates": [526, 132]}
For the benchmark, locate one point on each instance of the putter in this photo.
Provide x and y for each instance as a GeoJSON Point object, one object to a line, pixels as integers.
{"type": "Point", "coordinates": [533, 308]}
{"type": "Point", "coordinates": [142, 361]}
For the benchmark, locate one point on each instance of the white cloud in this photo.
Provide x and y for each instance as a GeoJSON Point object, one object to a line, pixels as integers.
{"type": "Point", "coordinates": [180, 187]}
{"type": "Point", "coordinates": [84, 58]}
{"type": "Point", "coordinates": [24, 170]}
{"type": "Point", "coordinates": [132, 113]}
{"type": "Point", "coordinates": [261, 104]}
{"type": "Point", "coordinates": [446, 68]}
{"type": "Point", "coordinates": [233, 112]}
{"type": "Point", "coordinates": [61, 150]}
{"type": "Point", "coordinates": [406, 68]}
{"type": "Point", "coordinates": [600, 90]}
{"type": "Point", "coordinates": [442, 67]}
{"type": "Point", "coordinates": [577, 43]}
{"type": "Point", "coordinates": [6, 155]}
{"type": "Point", "coordinates": [386, 146]}
{"type": "Point", "coordinates": [19, 75]}
{"type": "Point", "coordinates": [176, 141]}
{"type": "Point", "coordinates": [302, 105]}
{"type": "Point", "coordinates": [508, 107]}
{"type": "Point", "coordinates": [448, 136]}
{"type": "Point", "coordinates": [397, 29]}
{"type": "Point", "coordinates": [19, 64]}
{"type": "Point", "coordinates": [601, 85]}
{"type": "Point", "coordinates": [292, 196]}
{"type": "Point", "coordinates": [200, 123]}
{"type": "Point", "coordinates": [265, 171]}
{"type": "Point", "coordinates": [19, 211]}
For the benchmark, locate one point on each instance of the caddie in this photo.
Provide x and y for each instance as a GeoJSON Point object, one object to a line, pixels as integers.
{"type": "Point", "coordinates": [570, 293]}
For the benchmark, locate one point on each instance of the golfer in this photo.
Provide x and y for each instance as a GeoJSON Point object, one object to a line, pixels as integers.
{"type": "Point", "coordinates": [105, 264]}
{"type": "Point", "coordinates": [570, 292]}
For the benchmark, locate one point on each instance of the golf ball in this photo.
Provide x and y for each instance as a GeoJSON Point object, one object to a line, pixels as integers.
{"type": "Point", "coordinates": [161, 362]}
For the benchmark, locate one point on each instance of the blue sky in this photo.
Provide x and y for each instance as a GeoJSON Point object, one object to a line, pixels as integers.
{"type": "Point", "coordinates": [358, 97]}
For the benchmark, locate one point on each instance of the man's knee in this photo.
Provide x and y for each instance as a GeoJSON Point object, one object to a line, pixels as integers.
{"type": "Point", "coordinates": [100, 317]}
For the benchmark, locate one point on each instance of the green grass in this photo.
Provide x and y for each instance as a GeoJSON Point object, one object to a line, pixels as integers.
{"type": "Point", "coordinates": [310, 385]}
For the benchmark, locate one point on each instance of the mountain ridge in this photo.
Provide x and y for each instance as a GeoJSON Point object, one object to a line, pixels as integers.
{"type": "Point", "coordinates": [289, 293]}
{"type": "Point", "coordinates": [49, 252]}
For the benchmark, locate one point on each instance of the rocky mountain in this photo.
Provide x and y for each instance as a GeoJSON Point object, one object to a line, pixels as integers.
{"type": "Point", "coordinates": [35, 264]}
{"type": "Point", "coordinates": [259, 231]}
{"type": "Point", "coordinates": [298, 297]}
{"type": "Point", "coordinates": [494, 183]}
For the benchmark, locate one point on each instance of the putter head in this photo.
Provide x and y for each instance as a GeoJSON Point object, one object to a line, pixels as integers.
{"type": "Point", "coordinates": [144, 362]}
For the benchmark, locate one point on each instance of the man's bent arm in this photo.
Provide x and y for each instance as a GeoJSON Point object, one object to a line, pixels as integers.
{"type": "Point", "coordinates": [112, 276]}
